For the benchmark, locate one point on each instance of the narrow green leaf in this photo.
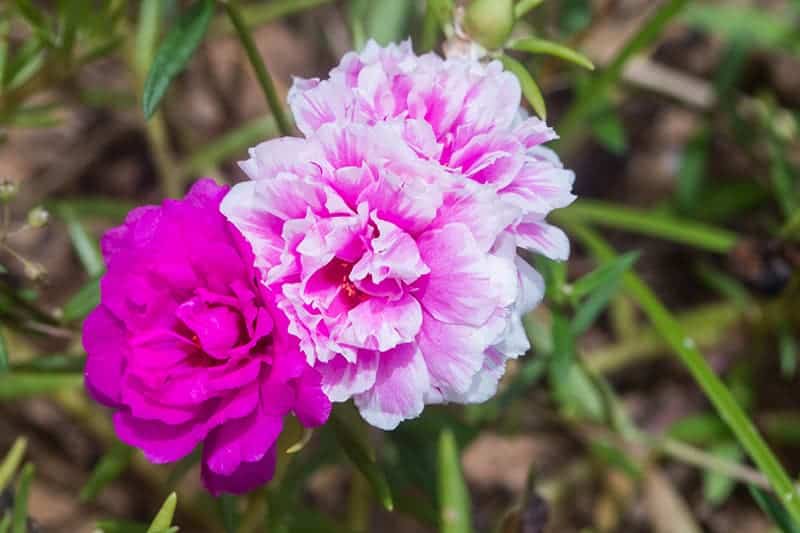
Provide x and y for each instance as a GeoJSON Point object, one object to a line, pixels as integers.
{"type": "Point", "coordinates": [84, 244]}
{"type": "Point", "coordinates": [175, 52]}
{"type": "Point", "coordinates": [443, 11]}
{"type": "Point", "coordinates": [163, 519]}
{"type": "Point", "coordinates": [363, 457]}
{"type": "Point", "coordinates": [605, 274]}
{"type": "Point", "coordinates": [148, 27]}
{"type": "Point", "coordinates": [228, 512]}
{"type": "Point", "coordinates": [454, 502]}
{"type": "Point", "coordinates": [534, 45]}
{"type": "Point", "coordinates": [51, 363]}
{"type": "Point", "coordinates": [609, 131]}
{"type": "Point", "coordinates": [14, 385]}
{"type": "Point", "coordinates": [388, 21]}
{"type": "Point", "coordinates": [529, 88]}
{"type": "Point", "coordinates": [524, 6]}
{"type": "Point", "coordinates": [12, 461]}
{"type": "Point", "coordinates": [718, 487]}
{"type": "Point", "coordinates": [3, 352]}
{"type": "Point", "coordinates": [720, 396]}
{"type": "Point", "coordinates": [19, 521]}
{"type": "Point", "coordinates": [699, 430]}
{"type": "Point", "coordinates": [788, 350]}
{"type": "Point", "coordinates": [82, 302]}
{"type": "Point", "coordinates": [594, 305]}
{"type": "Point", "coordinates": [121, 526]}
{"type": "Point", "coordinates": [645, 222]}
{"type": "Point", "coordinates": [691, 174]}
{"type": "Point", "coordinates": [5, 523]}
{"type": "Point", "coordinates": [25, 68]}
{"type": "Point", "coordinates": [774, 510]}
{"type": "Point", "coordinates": [109, 468]}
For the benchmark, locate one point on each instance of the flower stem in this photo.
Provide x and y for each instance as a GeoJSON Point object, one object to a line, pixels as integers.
{"type": "Point", "coordinates": [686, 350]}
{"type": "Point", "coordinates": [262, 74]}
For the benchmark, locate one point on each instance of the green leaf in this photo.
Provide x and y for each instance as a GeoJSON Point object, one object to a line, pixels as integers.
{"type": "Point", "coordinates": [363, 457]}
{"type": "Point", "coordinates": [607, 273]}
{"type": "Point", "coordinates": [5, 523]}
{"type": "Point", "coordinates": [691, 173]}
{"type": "Point", "coordinates": [454, 502]}
{"type": "Point", "coordinates": [228, 512]}
{"type": "Point", "coordinates": [14, 385]}
{"type": "Point", "coordinates": [109, 468]}
{"type": "Point", "coordinates": [609, 131]}
{"type": "Point", "coordinates": [529, 88]}
{"type": "Point", "coordinates": [718, 487]}
{"type": "Point", "coordinates": [595, 304]}
{"type": "Point", "coordinates": [19, 521]}
{"type": "Point", "coordinates": [524, 6]}
{"type": "Point", "coordinates": [646, 222]}
{"type": "Point", "coordinates": [788, 350]}
{"type": "Point", "coordinates": [699, 430]}
{"type": "Point", "coordinates": [52, 363]}
{"type": "Point", "coordinates": [442, 11]}
{"type": "Point", "coordinates": [388, 21]}
{"type": "Point", "coordinates": [774, 510]}
{"type": "Point", "coordinates": [12, 461]}
{"type": "Point", "coordinates": [574, 15]}
{"type": "Point", "coordinates": [121, 526]}
{"type": "Point", "coordinates": [163, 519]}
{"type": "Point", "coordinates": [175, 52]}
{"type": "Point", "coordinates": [82, 302]}
{"type": "Point", "coordinates": [85, 245]}
{"type": "Point", "coordinates": [3, 352]}
{"type": "Point", "coordinates": [762, 27]}
{"type": "Point", "coordinates": [534, 45]}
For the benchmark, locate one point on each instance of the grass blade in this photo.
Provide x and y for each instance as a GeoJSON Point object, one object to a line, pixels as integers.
{"type": "Point", "coordinates": [529, 88]}
{"type": "Point", "coordinates": [85, 245]}
{"type": "Point", "coordinates": [19, 521]}
{"type": "Point", "coordinates": [175, 52]}
{"type": "Point", "coordinates": [534, 45]}
{"type": "Point", "coordinates": [363, 458]}
{"type": "Point", "coordinates": [3, 353]}
{"type": "Point", "coordinates": [14, 385]}
{"type": "Point", "coordinates": [695, 362]}
{"type": "Point", "coordinates": [453, 494]}
{"type": "Point", "coordinates": [12, 461]}
{"type": "Point", "coordinates": [111, 465]}
{"type": "Point", "coordinates": [163, 519]}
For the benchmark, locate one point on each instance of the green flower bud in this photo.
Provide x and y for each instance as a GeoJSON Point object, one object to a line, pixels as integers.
{"type": "Point", "coordinates": [489, 22]}
{"type": "Point", "coordinates": [8, 189]}
{"type": "Point", "coordinates": [38, 217]}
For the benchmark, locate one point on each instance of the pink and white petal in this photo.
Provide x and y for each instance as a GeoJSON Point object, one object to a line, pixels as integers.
{"type": "Point", "coordinates": [540, 187]}
{"type": "Point", "coordinates": [454, 353]}
{"type": "Point", "coordinates": [247, 476]}
{"type": "Point", "coordinates": [484, 385]}
{"type": "Point", "coordinates": [393, 254]}
{"type": "Point", "coordinates": [460, 288]}
{"type": "Point", "coordinates": [341, 380]}
{"type": "Point", "coordinates": [479, 209]}
{"type": "Point", "coordinates": [283, 155]}
{"type": "Point", "coordinates": [534, 131]}
{"type": "Point", "coordinates": [531, 289]}
{"type": "Point", "coordinates": [315, 103]}
{"type": "Point", "coordinates": [399, 388]}
{"type": "Point", "coordinates": [540, 237]}
{"type": "Point", "coordinates": [380, 324]}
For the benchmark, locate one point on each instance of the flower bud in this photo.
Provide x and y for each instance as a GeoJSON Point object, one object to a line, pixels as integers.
{"type": "Point", "coordinates": [38, 217]}
{"type": "Point", "coordinates": [489, 22]}
{"type": "Point", "coordinates": [8, 189]}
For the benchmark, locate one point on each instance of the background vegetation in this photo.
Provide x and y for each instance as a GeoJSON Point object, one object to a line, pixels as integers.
{"type": "Point", "coordinates": [661, 394]}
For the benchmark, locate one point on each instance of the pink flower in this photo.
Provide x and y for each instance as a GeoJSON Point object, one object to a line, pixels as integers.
{"type": "Point", "coordinates": [188, 347]}
{"type": "Point", "coordinates": [457, 112]}
{"type": "Point", "coordinates": [398, 276]}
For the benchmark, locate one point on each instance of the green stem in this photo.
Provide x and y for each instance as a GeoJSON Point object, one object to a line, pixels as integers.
{"type": "Point", "coordinates": [666, 227]}
{"type": "Point", "coordinates": [716, 391]}
{"type": "Point", "coordinates": [523, 6]}
{"type": "Point", "coordinates": [264, 79]}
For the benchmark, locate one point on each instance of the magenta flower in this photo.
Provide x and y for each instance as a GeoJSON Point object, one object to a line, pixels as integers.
{"type": "Point", "coordinates": [397, 276]}
{"type": "Point", "coordinates": [458, 112]}
{"type": "Point", "coordinates": [188, 347]}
